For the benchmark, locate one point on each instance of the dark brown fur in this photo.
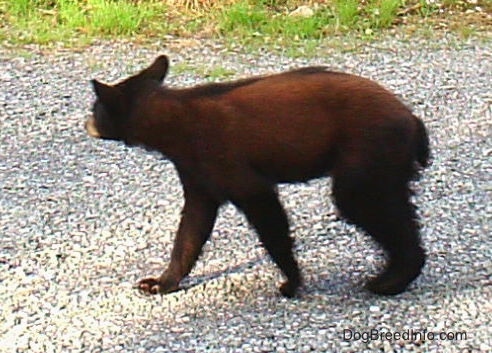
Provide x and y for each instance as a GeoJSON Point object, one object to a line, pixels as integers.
{"type": "Point", "coordinates": [235, 141]}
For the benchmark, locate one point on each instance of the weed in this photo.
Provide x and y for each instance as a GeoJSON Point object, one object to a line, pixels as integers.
{"type": "Point", "coordinates": [383, 12]}
{"type": "Point", "coordinates": [181, 68]}
{"type": "Point", "coordinates": [210, 73]}
{"type": "Point", "coordinates": [218, 72]}
{"type": "Point", "coordinates": [347, 12]}
{"type": "Point", "coordinates": [427, 8]}
{"type": "Point", "coordinates": [241, 18]}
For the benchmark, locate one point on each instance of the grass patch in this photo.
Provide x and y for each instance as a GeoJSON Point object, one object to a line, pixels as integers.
{"type": "Point", "coordinates": [182, 68]}
{"type": "Point", "coordinates": [347, 12]}
{"type": "Point", "coordinates": [241, 18]}
{"type": "Point", "coordinates": [218, 73]}
{"type": "Point", "coordinates": [262, 22]}
{"type": "Point", "coordinates": [45, 21]}
{"type": "Point", "coordinates": [382, 13]}
{"type": "Point", "coordinates": [373, 16]}
{"type": "Point", "coordinates": [249, 22]}
{"type": "Point", "coordinates": [210, 73]}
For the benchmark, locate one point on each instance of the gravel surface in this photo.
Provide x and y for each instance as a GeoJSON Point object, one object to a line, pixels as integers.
{"type": "Point", "coordinates": [82, 220]}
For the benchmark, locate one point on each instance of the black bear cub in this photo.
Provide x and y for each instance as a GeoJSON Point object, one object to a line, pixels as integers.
{"type": "Point", "coordinates": [233, 142]}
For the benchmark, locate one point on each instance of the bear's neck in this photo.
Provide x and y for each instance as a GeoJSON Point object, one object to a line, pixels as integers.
{"type": "Point", "coordinates": [163, 122]}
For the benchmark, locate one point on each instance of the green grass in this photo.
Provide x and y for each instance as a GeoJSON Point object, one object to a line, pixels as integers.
{"type": "Point", "coordinates": [210, 73]}
{"type": "Point", "coordinates": [218, 73]}
{"type": "Point", "coordinates": [427, 9]}
{"type": "Point", "coordinates": [375, 15]}
{"type": "Point", "coordinates": [255, 22]}
{"type": "Point", "coordinates": [248, 21]}
{"type": "Point", "coordinates": [242, 18]}
{"type": "Point", "coordinates": [383, 13]}
{"type": "Point", "coordinates": [182, 67]}
{"type": "Point", "coordinates": [45, 21]}
{"type": "Point", "coordinates": [347, 13]}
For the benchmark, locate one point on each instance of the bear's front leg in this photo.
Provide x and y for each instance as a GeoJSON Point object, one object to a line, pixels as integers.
{"type": "Point", "coordinates": [197, 220]}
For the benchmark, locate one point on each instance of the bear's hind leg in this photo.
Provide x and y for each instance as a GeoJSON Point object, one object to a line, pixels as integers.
{"type": "Point", "coordinates": [384, 212]}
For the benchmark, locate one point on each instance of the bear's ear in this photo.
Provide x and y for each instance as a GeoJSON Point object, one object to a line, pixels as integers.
{"type": "Point", "coordinates": [158, 70]}
{"type": "Point", "coordinates": [101, 90]}
{"type": "Point", "coordinates": [109, 96]}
